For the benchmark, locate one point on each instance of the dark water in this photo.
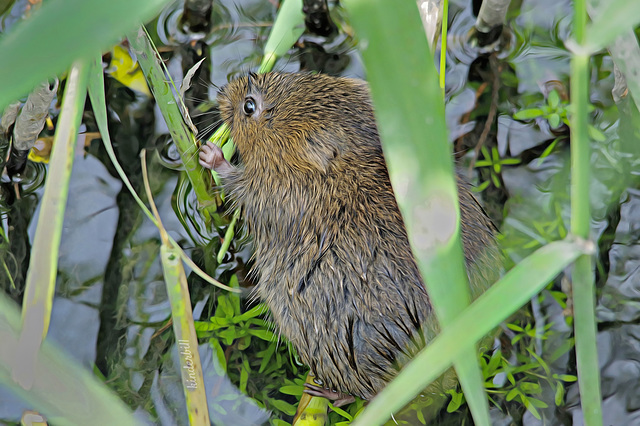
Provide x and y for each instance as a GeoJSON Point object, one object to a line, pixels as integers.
{"type": "Point", "coordinates": [111, 309]}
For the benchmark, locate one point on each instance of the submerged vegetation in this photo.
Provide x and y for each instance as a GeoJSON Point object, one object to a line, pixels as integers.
{"type": "Point", "coordinates": [541, 114]}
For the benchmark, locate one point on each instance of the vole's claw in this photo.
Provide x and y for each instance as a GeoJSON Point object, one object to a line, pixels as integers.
{"type": "Point", "coordinates": [338, 398]}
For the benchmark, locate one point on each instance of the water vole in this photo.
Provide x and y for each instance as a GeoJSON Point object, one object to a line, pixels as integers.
{"type": "Point", "coordinates": [332, 256]}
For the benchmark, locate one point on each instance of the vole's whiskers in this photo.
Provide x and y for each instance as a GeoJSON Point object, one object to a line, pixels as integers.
{"type": "Point", "coordinates": [205, 113]}
{"type": "Point", "coordinates": [209, 83]}
{"type": "Point", "coordinates": [191, 155]}
{"type": "Point", "coordinates": [196, 99]}
{"type": "Point", "coordinates": [291, 58]}
{"type": "Point", "coordinates": [209, 128]}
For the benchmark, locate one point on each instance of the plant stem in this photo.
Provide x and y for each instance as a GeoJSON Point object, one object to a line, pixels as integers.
{"type": "Point", "coordinates": [582, 274]}
{"type": "Point", "coordinates": [167, 99]}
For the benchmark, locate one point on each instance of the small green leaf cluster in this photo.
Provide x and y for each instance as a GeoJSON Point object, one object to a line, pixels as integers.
{"type": "Point", "coordinates": [527, 233]}
{"type": "Point", "coordinates": [521, 374]}
{"type": "Point", "coordinates": [251, 354]}
{"type": "Point", "coordinates": [494, 163]}
{"type": "Point", "coordinates": [338, 415]}
{"type": "Point", "coordinates": [556, 111]}
{"type": "Point", "coordinates": [524, 379]}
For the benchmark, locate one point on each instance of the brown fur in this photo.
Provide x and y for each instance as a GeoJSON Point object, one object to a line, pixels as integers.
{"type": "Point", "coordinates": [332, 255]}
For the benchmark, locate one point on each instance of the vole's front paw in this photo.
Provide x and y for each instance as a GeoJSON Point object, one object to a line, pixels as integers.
{"type": "Point", "coordinates": [211, 157]}
{"type": "Point", "coordinates": [339, 399]}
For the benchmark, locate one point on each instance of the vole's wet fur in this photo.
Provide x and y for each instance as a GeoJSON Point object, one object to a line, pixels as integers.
{"type": "Point", "coordinates": [332, 255]}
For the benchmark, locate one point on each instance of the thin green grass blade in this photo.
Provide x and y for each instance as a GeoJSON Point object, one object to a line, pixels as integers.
{"type": "Point", "coordinates": [443, 44]}
{"type": "Point", "coordinates": [43, 264]}
{"type": "Point", "coordinates": [167, 99]}
{"type": "Point", "coordinates": [409, 105]}
{"type": "Point", "coordinates": [60, 32]}
{"type": "Point", "coordinates": [505, 297]}
{"type": "Point", "coordinates": [617, 17]}
{"type": "Point", "coordinates": [63, 391]}
{"type": "Point", "coordinates": [98, 103]}
{"type": "Point", "coordinates": [583, 273]}
{"type": "Point", "coordinates": [96, 94]}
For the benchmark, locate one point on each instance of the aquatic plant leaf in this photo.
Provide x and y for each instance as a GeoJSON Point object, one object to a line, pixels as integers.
{"type": "Point", "coordinates": [60, 32]}
{"type": "Point", "coordinates": [84, 399]}
{"type": "Point", "coordinates": [409, 105]}
{"type": "Point", "coordinates": [614, 18]}
{"type": "Point", "coordinates": [43, 263]}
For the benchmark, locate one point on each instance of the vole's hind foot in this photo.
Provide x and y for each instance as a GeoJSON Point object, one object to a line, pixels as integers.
{"type": "Point", "coordinates": [338, 398]}
{"type": "Point", "coordinates": [211, 157]}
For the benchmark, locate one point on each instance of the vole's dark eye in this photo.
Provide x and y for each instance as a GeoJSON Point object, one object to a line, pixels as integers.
{"type": "Point", "coordinates": [249, 106]}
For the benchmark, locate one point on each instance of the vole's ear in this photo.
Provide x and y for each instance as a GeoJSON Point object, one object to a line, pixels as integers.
{"type": "Point", "coordinates": [322, 148]}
